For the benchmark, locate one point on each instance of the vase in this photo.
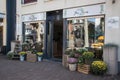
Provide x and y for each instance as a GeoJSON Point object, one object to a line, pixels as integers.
{"type": "Point", "coordinates": [22, 58]}
{"type": "Point", "coordinates": [72, 67]}
{"type": "Point", "coordinates": [39, 58]}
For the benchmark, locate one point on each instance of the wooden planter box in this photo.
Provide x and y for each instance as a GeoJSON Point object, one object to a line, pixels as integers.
{"type": "Point", "coordinates": [31, 57]}
{"type": "Point", "coordinates": [65, 60]}
{"type": "Point", "coordinates": [83, 68]}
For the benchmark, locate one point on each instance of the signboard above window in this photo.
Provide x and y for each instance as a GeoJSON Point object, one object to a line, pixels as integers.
{"type": "Point", "coordinates": [84, 11]}
{"type": "Point", "coordinates": [28, 1]}
{"type": "Point", "coordinates": [34, 17]}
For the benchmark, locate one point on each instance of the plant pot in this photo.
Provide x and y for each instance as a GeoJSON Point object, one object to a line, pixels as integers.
{"type": "Point", "coordinates": [72, 67]}
{"type": "Point", "coordinates": [88, 61]}
{"type": "Point", "coordinates": [22, 58]}
{"type": "Point", "coordinates": [39, 58]}
{"type": "Point", "coordinates": [83, 68]}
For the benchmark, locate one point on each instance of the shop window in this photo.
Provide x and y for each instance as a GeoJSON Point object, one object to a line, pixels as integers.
{"type": "Point", "coordinates": [28, 1]}
{"type": "Point", "coordinates": [34, 32]}
{"type": "Point", "coordinates": [87, 32]}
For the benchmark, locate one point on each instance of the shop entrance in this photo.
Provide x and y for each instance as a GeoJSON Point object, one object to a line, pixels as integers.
{"type": "Point", "coordinates": [54, 28]}
{"type": "Point", "coordinates": [57, 39]}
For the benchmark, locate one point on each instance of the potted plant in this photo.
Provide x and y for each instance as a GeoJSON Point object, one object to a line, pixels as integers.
{"type": "Point", "coordinates": [39, 55]}
{"type": "Point", "coordinates": [22, 55]}
{"type": "Point", "coordinates": [66, 56]}
{"type": "Point", "coordinates": [72, 61]}
{"type": "Point", "coordinates": [82, 67]}
{"type": "Point", "coordinates": [88, 57]}
{"type": "Point", "coordinates": [10, 55]}
{"type": "Point", "coordinates": [79, 52]}
{"type": "Point", "coordinates": [98, 67]}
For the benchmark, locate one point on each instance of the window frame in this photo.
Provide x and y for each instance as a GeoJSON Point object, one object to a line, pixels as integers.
{"type": "Point", "coordinates": [31, 1]}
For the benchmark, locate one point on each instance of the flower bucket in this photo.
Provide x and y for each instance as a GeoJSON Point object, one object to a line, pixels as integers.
{"type": "Point", "coordinates": [72, 67]}
{"type": "Point", "coordinates": [21, 58]}
{"type": "Point", "coordinates": [39, 58]}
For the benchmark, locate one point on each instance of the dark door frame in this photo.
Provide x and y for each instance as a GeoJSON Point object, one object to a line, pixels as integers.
{"type": "Point", "coordinates": [51, 17]}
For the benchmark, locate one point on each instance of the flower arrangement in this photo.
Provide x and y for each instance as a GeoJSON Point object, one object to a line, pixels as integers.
{"type": "Point", "coordinates": [39, 53]}
{"type": "Point", "coordinates": [98, 67]}
{"type": "Point", "coordinates": [88, 55]}
{"type": "Point", "coordinates": [67, 51]}
{"type": "Point", "coordinates": [22, 53]}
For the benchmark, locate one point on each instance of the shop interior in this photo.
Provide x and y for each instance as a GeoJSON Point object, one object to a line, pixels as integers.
{"type": "Point", "coordinates": [86, 32]}
{"type": "Point", "coordinates": [34, 33]}
{"type": "Point", "coordinates": [1, 34]}
{"type": "Point", "coordinates": [58, 39]}
{"type": "Point", "coordinates": [54, 25]}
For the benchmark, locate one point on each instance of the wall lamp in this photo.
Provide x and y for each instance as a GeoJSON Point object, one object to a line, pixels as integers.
{"type": "Point", "coordinates": [113, 1]}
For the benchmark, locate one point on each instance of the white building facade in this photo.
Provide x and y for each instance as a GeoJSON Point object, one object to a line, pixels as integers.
{"type": "Point", "coordinates": [90, 16]}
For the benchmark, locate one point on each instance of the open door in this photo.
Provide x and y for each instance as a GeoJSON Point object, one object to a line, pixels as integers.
{"type": "Point", "coordinates": [54, 37]}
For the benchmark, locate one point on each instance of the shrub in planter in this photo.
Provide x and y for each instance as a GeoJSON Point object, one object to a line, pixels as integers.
{"type": "Point", "coordinates": [39, 55]}
{"type": "Point", "coordinates": [68, 51]}
{"type": "Point", "coordinates": [88, 56]}
{"type": "Point", "coordinates": [98, 67]}
{"type": "Point", "coordinates": [22, 55]}
{"type": "Point", "coordinates": [10, 54]}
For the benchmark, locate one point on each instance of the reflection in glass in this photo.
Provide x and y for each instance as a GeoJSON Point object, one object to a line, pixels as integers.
{"type": "Point", "coordinates": [84, 32]}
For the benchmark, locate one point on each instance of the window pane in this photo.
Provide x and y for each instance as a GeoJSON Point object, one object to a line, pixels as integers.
{"type": "Point", "coordinates": [85, 32]}
{"type": "Point", "coordinates": [29, 1]}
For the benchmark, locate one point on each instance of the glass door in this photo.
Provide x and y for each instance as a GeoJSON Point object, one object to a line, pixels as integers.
{"type": "Point", "coordinates": [50, 39]}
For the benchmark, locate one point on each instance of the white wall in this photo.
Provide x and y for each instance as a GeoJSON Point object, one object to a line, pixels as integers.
{"type": "Point", "coordinates": [2, 6]}
{"type": "Point", "coordinates": [42, 6]}
{"type": "Point", "coordinates": [112, 34]}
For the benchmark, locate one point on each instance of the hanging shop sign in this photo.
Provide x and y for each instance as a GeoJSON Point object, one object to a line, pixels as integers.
{"type": "Point", "coordinates": [34, 17]}
{"type": "Point", "coordinates": [84, 11]}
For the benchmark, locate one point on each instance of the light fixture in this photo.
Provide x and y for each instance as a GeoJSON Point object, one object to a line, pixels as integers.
{"type": "Point", "coordinates": [113, 1]}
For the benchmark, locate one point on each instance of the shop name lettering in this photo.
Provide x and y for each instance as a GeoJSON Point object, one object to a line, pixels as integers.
{"type": "Point", "coordinates": [112, 21]}
{"type": "Point", "coordinates": [79, 12]}
{"type": "Point", "coordinates": [32, 17]}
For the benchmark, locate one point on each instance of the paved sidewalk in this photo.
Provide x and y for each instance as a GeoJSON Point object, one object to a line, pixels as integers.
{"type": "Point", "coordinates": [46, 70]}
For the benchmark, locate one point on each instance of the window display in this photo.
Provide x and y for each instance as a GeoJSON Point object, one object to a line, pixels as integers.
{"type": "Point", "coordinates": [34, 32]}
{"type": "Point", "coordinates": [85, 32]}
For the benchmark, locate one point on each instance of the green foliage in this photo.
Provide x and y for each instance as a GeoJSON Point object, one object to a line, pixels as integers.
{"type": "Point", "coordinates": [68, 51]}
{"type": "Point", "coordinates": [88, 55]}
{"type": "Point", "coordinates": [98, 67]}
{"type": "Point", "coordinates": [39, 53]}
{"type": "Point", "coordinates": [22, 53]}
{"type": "Point", "coordinates": [82, 50]}
{"type": "Point", "coordinates": [10, 55]}
{"type": "Point", "coordinates": [72, 55]}
{"type": "Point", "coordinates": [80, 60]}
{"type": "Point", "coordinates": [26, 46]}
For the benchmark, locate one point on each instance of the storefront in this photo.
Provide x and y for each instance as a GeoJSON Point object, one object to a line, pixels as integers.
{"type": "Point", "coordinates": [84, 26]}
{"type": "Point", "coordinates": [1, 31]}
{"type": "Point", "coordinates": [33, 28]}
{"type": "Point", "coordinates": [54, 35]}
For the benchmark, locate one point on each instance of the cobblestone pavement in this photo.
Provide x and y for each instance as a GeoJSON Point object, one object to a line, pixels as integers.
{"type": "Point", "coordinates": [46, 70]}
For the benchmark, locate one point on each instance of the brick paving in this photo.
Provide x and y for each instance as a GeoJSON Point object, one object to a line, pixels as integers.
{"type": "Point", "coordinates": [46, 70]}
